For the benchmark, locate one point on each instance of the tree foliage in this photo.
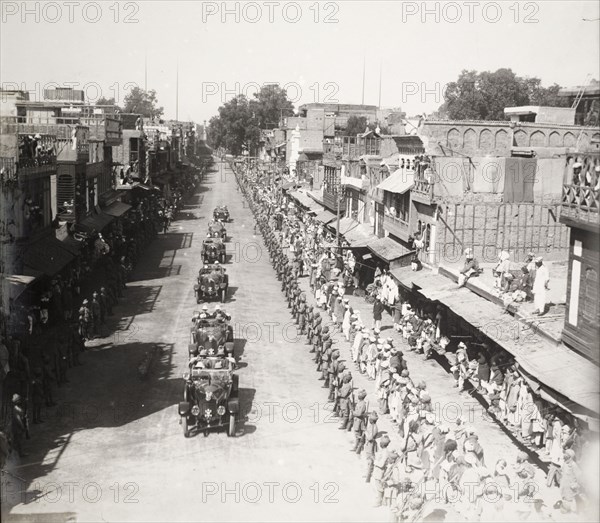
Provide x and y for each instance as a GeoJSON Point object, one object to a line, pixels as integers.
{"type": "Point", "coordinates": [143, 102]}
{"type": "Point", "coordinates": [484, 95]}
{"type": "Point", "coordinates": [358, 125]}
{"type": "Point", "coordinates": [238, 125]}
{"type": "Point", "coordinates": [106, 101]}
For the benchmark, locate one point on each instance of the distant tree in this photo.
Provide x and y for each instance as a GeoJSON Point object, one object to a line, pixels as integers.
{"type": "Point", "coordinates": [358, 125]}
{"type": "Point", "coordinates": [105, 101]}
{"type": "Point", "coordinates": [143, 102]}
{"type": "Point", "coordinates": [355, 125]}
{"type": "Point", "coordinates": [271, 104]}
{"type": "Point", "coordinates": [237, 127]}
{"type": "Point", "coordinates": [485, 95]}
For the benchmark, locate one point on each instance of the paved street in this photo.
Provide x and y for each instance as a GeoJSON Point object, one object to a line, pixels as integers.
{"type": "Point", "coordinates": [113, 449]}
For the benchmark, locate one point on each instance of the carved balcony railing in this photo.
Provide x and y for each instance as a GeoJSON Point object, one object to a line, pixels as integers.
{"type": "Point", "coordinates": [581, 203]}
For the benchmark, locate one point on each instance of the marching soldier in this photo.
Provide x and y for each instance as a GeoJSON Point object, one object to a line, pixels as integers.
{"type": "Point", "coordinates": [359, 424]}
{"type": "Point", "coordinates": [382, 456]}
{"type": "Point", "coordinates": [308, 320]}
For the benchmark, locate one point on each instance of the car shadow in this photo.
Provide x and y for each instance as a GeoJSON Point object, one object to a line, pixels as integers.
{"type": "Point", "coordinates": [246, 402]}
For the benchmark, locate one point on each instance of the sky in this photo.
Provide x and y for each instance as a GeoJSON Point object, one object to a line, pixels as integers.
{"type": "Point", "coordinates": [315, 49]}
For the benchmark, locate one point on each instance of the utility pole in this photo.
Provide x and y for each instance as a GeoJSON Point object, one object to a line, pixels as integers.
{"type": "Point", "coordinates": [146, 70]}
{"type": "Point", "coordinates": [380, 69]}
{"type": "Point", "coordinates": [363, 83]}
{"type": "Point", "coordinates": [177, 93]}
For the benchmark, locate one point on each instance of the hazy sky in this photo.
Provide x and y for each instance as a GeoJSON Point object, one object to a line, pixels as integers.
{"type": "Point", "coordinates": [317, 49]}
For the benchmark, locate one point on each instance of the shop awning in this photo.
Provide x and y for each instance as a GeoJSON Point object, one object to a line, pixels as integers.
{"type": "Point", "coordinates": [325, 216]}
{"type": "Point", "coordinates": [116, 209]}
{"type": "Point", "coordinates": [357, 234]}
{"type": "Point", "coordinates": [97, 222]}
{"type": "Point", "coordinates": [303, 199]}
{"type": "Point", "coordinates": [47, 255]}
{"type": "Point", "coordinates": [15, 284]}
{"type": "Point", "coordinates": [387, 249]}
{"type": "Point", "coordinates": [399, 182]}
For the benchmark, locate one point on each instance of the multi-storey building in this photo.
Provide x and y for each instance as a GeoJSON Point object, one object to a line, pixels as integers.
{"type": "Point", "coordinates": [580, 213]}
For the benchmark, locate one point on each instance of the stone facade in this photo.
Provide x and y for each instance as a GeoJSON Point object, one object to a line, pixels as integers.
{"type": "Point", "coordinates": [497, 138]}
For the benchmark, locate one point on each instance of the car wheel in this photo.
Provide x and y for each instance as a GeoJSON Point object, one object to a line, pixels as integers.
{"type": "Point", "coordinates": [231, 426]}
{"type": "Point", "coordinates": [222, 258]}
{"type": "Point", "coordinates": [186, 429]}
{"type": "Point", "coordinates": [223, 295]}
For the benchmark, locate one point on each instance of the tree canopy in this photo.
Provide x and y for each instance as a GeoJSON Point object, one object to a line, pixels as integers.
{"type": "Point", "coordinates": [358, 124]}
{"type": "Point", "coordinates": [484, 95]}
{"type": "Point", "coordinates": [143, 102]}
{"type": "Point", "coordinates": [239, 122]}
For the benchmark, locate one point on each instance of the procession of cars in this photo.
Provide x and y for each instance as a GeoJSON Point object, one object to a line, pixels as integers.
{"type": "Point", "coordinates": [211, 389]}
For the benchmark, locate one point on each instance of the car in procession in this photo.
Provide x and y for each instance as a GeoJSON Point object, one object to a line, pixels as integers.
{"type": "Point", "coordinates": [213, 250]}
{"type": "Point", "coordinates": [221, 213]}
{"type": "Point", "coordinates": [211, 332]}
{"type": "Point", "coordinates": [210, 396]}
{"type": "Point", "coordinates": [216, 229]}
{"type": "Point", "coordinates": [213, 282]}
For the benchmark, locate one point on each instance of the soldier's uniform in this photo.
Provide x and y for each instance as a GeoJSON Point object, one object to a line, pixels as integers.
{"type": "Point", "coordinates": [302, 312]}
{"type": "Point", "coordinates": [380, 462]}
{"type": "Point", "coordinates": [344, 401]}
{"type": "Point", "coordinates": [371, 432]}
{"type": "Point", "coordinates": [332, 373]}
{"type": "Point", "coordinates": [359, 416]}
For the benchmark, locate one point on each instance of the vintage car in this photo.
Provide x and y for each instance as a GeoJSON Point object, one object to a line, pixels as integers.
{"type": "Point", "coordinates": [217, 230]}
{"type": "Point", "coordinates": [213, 250]}
{"type": "Point", "coordinates": [210, 396]}
{"type": "Point", "coordinates": [213, 333]}
{"type": "Point", "coordinates": [221, 213]}
{"type": "Point", "coordinates": [213, 282]}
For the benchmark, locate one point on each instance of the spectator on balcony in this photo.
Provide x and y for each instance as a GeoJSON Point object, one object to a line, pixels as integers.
{"type": "Point", "coordinates": [577, 178]}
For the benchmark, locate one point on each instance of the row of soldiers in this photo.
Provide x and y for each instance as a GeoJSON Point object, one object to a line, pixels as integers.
{"type": "Point", "coordinates": [351, 407]}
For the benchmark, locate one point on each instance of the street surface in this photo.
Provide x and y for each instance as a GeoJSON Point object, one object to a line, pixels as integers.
{"type": "Point", "coordinates": [113, 449]}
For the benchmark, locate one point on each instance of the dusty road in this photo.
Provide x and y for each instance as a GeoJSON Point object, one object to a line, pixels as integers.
{"type": "Point", "coordinates": [117, 452]}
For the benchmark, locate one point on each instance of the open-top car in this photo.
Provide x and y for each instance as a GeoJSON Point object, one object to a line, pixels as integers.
{"type": "Point", "coordinates": [211, 333]}
{"type": "Point", "coordinates": [213, 282]}
{"type": "Point", "coordinates": [213, 250]}
{"type": "Point", "coordinates": [217, 230]}
{"type": "Point", "coordinates": [210, 397]}
{"type": "Point", "coordinates": [221, 213]}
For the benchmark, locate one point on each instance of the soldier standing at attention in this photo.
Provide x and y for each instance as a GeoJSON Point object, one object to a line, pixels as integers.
{"type": "Point", "coordinates": [382, 456]}
{"type": "Point", "coordinates": [371, 433]}
{"type": "Point", "coordinates": [344, 399]}
{"type": "Point", "coordinates": [359, 416]}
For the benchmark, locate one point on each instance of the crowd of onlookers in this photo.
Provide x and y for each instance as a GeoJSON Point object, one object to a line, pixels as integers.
{"type": "Point", "coordinates": [431, 460]}
{"type": "Point", "coordinates": [45, 331]}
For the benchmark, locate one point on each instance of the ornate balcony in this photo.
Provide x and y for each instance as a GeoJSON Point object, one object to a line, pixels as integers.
{"type": "Point", "coordinates": [422, 191]}
{"type": "Point", "coordinates": [396, 226]}
{"type": "Point", "coordinates": [580, 205]}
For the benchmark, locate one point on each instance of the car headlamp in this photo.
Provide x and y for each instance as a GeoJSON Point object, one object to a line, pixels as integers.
{"type": "Point", "coordinates": [221, 410]}
{"type": "Point", "coordinates": [195, 410]}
